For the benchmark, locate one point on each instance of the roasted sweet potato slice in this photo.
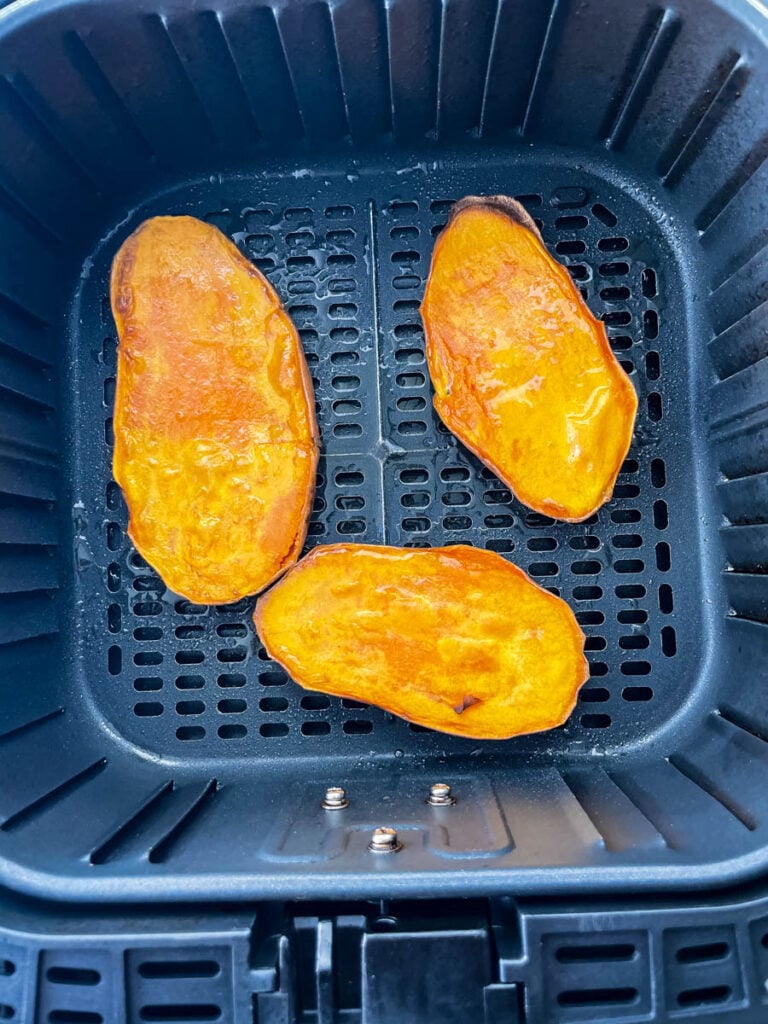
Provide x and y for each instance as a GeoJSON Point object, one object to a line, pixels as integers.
{"type": "Point", "coordinates": [215, 435]}
{"type": "Point", "coordinates": [523, 373]}
{"type": "Point", "coordinates": [457, 639]}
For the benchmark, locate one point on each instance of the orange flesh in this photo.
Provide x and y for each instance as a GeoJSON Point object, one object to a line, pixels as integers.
{"type": "Point", "coordinates": [523, 373]}
{"type": "Point", "coordinates": [457, 639]}
{"type": "Point", "coordinates": [215, 436]}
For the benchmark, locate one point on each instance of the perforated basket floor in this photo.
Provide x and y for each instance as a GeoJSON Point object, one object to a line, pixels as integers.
{"type": "Point", "coordinates": [350, 255]}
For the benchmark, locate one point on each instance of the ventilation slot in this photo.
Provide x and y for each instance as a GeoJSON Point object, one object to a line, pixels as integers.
{"type": "Point", "coordinates": [72, 976]}
{"type": "Point", "coordinates": [171, 969]}
{"type": "Point", "coordinates": [75, 1017]}
{"type": "Point", "coordinates": [598, 997]}
{"type": "Point", "coordinates": [703, 953]}
{"type": "Point", "coordinates": [181, 1013]}
{"type": "Point", "coordinates": [702, 996]}
{"type": "Point", "coordinates": [608, 953]}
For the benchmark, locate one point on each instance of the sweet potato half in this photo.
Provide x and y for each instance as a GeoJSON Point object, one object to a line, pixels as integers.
{"type": "Point", "coordinates": [215, 436]}
{"type": "Point", "coordinates": [523, 372]}
{"type": "Point", "coordinates": [457, 638]}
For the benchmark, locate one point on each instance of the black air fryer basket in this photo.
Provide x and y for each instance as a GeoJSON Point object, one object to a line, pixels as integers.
{"type": "Point", "coordinates": [152, 754]}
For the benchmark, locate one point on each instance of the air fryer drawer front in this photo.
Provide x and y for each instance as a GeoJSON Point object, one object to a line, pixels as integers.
{"type": "Point", "coordinates": [491, 962]}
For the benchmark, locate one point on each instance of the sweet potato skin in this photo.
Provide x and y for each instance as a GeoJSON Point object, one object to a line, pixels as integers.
{"type": "Point", "coordinates": [456, 639]}
{"type": "Point", "coordinates": [523, 372]}
{"type": "Point", "coordinates": [215, 435]}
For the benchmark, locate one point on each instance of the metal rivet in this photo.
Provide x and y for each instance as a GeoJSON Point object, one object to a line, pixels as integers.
{"type": "Point", "coordinates": [384, 840]}
{"type": "Point", "coordinates": [440, 795]}
{"type": "Point", "coordinates": [335, 799]}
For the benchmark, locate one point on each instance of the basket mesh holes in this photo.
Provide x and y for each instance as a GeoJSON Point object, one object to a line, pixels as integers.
{"type": "Point", "coordinates": [604, 215]}
{"type": "Point", "coordinates": [571, 248]}
{"type": "Point", "coordinates": [272, 730]}
{"type": "Point", "coordinates": [594, 695]}
{"type": "Point", "coordinates": [231, 732]}
{"type": "Point", "coordinates": [541, 544]}
{"type": "Point", "coordinates": [269, 704]}
{"type": "Point", "coordinates": [147, 634]}
{"type": "Point", "coordinates": [148, 709]}
{"type": "Point", "coordinates": [357, 727]}
{"type": "Point", "coordinates": [579, 271]}
{"type": "Point", "coordinates": [190, 657]}
{"type": "Point", "coordinates": [649, 283]}
{"type": "Point", "coordinates": [574, 222]}
{"type": "Point", "coordinates": [651, 324]}
{"type": "Point", "coordinates": [190, 682]}
{"type": "Point", "coordinates": [190, 732]}
{"type": "Point", "coordinates": [614, 244]}
{"type": "Point", "coordinates": [315, 728]}
{"type": "Point", "coordinates": [615, 269]}
{"type": "Point", "coordinates": [593, 721]}
{"type": "Point", "coordinates": [621, 342]}
{"type": "Point", "coordinates": [147, 683]}
{"type": "Point", "coordinates": [669, 641]}
{"type": "Point", "coordinates": [233, 706]}
{"type": "Point", "coordinates": [114, 617]}
{"type": "Point", "coordinates": [113, 577]}
{"type": "Point", "coordinates": [273, 679]}
{"type": "Point", "coordinates": [115, 660]}
{"type": "Point", "coordinates": [500, 545]}
{"type": "Point", "coordinates": [190, 707]}
{"type": "Point", "coordinates": [228, 680]}
{"type": "Point", "coordinates": [314, 702]}
{"type": "Point", "coordinates": [212, 674]}
{"type": "Point", "coordinates": [615, 293]}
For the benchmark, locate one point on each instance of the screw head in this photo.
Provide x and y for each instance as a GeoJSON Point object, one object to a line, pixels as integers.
{"type": "Point", "coordinates": [440, 795]}
{"type": "Point", "coordinates": [384, 840]}
{"type": "Point", "coordinates": [335, 799]}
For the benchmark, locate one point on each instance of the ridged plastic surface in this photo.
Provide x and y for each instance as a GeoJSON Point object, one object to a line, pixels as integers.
{"type": "Point", "coordinates": [327, 139]}
{"type": "Point", "coordinates": [513, 963]}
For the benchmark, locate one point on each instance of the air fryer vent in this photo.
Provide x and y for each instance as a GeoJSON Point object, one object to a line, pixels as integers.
{"type": "Point", "coordinates": [598, 997]}
{"type": "Point", "coordinates": [180, 984]}
{"type": "Point", "coordinates": [595, 977]}
{"type": "Point", "coordinates": [701, 968]}
{"type": "Point", "coordinates": [75, 986]}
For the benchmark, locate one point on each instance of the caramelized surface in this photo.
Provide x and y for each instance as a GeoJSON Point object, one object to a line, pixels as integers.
{"type": "Point", "coordinates": [457, 639]}
{"type": "Point", "coordinates": [215, 434]}
{"type": "Point", "coordinates": [523, 373]}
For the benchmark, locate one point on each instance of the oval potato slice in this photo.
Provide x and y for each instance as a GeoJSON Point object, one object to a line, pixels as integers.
{"type": "Point", "coordinates": [457, 639]}
{"type": "Point", "coordinates": [215, 436]}
{"type": "Point", "coordinates": [523, 372]}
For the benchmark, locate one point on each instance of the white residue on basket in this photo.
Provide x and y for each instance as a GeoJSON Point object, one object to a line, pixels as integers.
{"type": "Point", "coordinates": [82, 549]}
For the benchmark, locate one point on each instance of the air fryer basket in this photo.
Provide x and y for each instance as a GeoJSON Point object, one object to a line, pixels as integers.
{"type": "Point", "coordinates": [149, 747]}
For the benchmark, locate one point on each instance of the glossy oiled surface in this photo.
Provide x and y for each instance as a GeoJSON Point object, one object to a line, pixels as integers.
{"type": "Point", "coordinates": [457, 639]}
{"type": "Point", "coordinates": [523, 373]}
{"type": "Point", "coordinates": [215, 435]}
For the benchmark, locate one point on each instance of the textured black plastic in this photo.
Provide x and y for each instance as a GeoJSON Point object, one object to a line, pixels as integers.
{"type": "Point", "coordinates": [149, 750]}
{"type": "Point", "coordinates": [580, 962]}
